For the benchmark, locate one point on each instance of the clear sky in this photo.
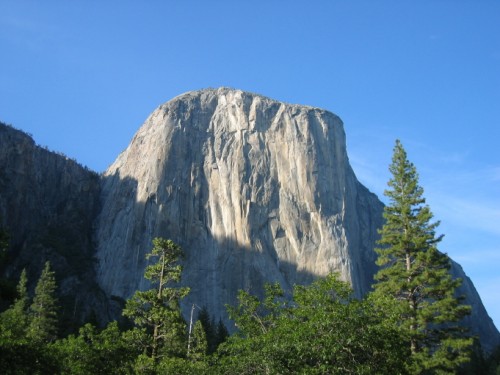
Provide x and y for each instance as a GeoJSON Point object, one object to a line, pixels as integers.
{"type": "Point", "coordinates": [83, 75]}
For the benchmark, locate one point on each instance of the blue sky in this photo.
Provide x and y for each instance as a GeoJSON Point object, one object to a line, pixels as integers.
{"type": "Point", "coordinates": [82, 76]}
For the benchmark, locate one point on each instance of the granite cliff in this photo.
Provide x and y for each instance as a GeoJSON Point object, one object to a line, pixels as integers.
{"type": "Point", "coordinates": [254, 190]}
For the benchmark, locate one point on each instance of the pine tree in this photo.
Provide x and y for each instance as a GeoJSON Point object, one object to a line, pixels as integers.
{"type": "Point", "coordinates": [221, 333]}
{"type": "Point", "coordinates": [199, 344]}
{"type": "Point", "coordinates": [158, 309]}
{"type": "Point", "coordinates": [14, 321]}
{"type": "Point", "coordinates": [417, 275]}
{"type": "Point", "coordinates": [43, 310]}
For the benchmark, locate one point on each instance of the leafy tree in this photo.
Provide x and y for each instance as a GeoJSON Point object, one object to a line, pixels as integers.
{"type": "Point", "coordinates": [157, 310]}
{"type": "Point", "coordinates": [43, 310]}
{"type": "Point", "coordinates": [27, 359]}
{"type": "Point", "coordinates": [477, 363]}
{"type": "Point", "coordinates": [94, 352]}
{"type": "Point", "coordinates": [182, 366]}
{"type": "Point", "coordinates": [417, 275]}
{"type": "Point", "coordinates": [253, 317]}
{"type": "Point", "coordinates": [323, 330]}
{"type": "Point", "coordinates": [15, 320]}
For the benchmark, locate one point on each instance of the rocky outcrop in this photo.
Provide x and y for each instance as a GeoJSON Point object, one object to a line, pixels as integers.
{"type": "Point", "coordinates": [48, 204]}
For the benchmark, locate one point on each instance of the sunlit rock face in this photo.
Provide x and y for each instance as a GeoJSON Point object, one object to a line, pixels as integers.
{"type": "Point", "coordinates": [253, 189]}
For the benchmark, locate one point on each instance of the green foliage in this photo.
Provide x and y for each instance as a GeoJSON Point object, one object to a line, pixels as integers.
{"type": "Point", "coordinates": [322, 330]}
{"type": "Point", "coordinates": [253, 318]}
{"type": "Point", "coordinates": [43, 310]}
{"type": "Point", "coordinates": [27, 359]}
{"type": "Point", "coordinates": [417, 275]}
{"type": "Point", "coordinates": [15, 320]}
{"type": "Point", "coordinates": [221, 334]}
{"type": "Point", "coordinates": [215, 334]}
{"type": "Point", "coordinates": [182, 366]}
{"type": "Point", "coordinates": [157, 310]}
{"type": "Point", "coordinates": [198, 346]}
{"type": "Point", "coordinates": [208, 328]}
{"type": "Point", "coordinates": [20, 353]}
{"type": "Point", "coordinates": [93, 352]}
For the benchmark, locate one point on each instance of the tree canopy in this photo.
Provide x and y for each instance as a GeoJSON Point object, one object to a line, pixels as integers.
{"type": "Point", "coordinates": [322, 330]}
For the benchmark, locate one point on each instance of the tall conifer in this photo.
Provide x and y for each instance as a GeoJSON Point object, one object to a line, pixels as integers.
{"type": "Point", "coordinates": [417, 275]}
{"type": "Point", "coordinates": [157, 309]}
{"type": "Point", "coordinates": [14, 321]}
{"type": "Point", "coordinates": [43, 310]}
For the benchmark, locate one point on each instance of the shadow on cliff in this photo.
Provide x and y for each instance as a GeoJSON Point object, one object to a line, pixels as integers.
{"type": "Point", "coordinates": [214, 268]}
{"type": "Point", "coordinates": [48, 204]}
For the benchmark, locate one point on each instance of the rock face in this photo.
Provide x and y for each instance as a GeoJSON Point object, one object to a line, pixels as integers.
{"type": "Point", "coordinates": [254, 190]}
{"type": "Point", "coordinates": [48, 204]}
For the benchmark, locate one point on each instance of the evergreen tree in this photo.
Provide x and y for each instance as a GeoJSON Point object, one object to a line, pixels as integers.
{"type": "Point", "coordinates": [417, 275]}
{"type": "Point", "coordinates": [221, 334]}
{"type": "Point", "coordinates": [43, 310]}
{"type": "Point", "coordinates": [198, 346]}
{"type": "Point", "coordinates": [14, 321]}
{"type": "Point", "coordinates": [94, 352]}
{"type": "Point", "coordinates": [157, 310]}
{"type": "Point", "coordinates": [209, 329]}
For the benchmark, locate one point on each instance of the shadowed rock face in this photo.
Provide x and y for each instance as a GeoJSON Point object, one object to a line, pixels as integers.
{"type": "Point", "coordinates": [48, 204]}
